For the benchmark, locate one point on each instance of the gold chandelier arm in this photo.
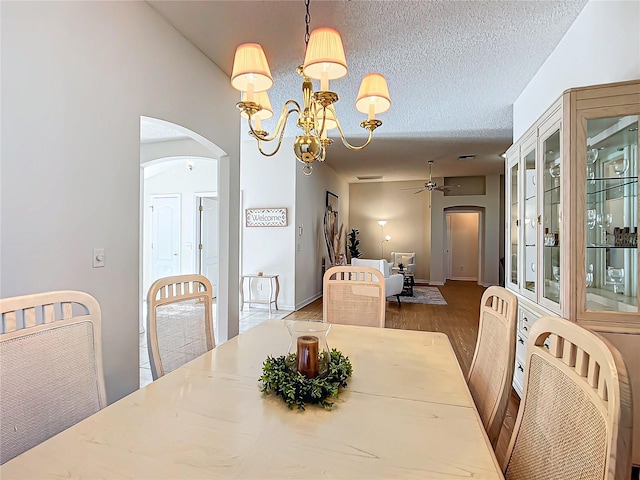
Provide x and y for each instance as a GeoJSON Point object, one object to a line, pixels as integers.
{"type": "Point", "coordinates": [281, 136]}
{"type": "Point", "coordinates": [282, 122]}
{"type": "Point", "coordinates": [346, 143]}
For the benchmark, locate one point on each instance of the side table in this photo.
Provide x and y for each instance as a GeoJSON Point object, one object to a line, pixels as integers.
{"type": "Point", "coordinates": [407, 285]}
{"type": "Point", "coordinates": [274, 290]}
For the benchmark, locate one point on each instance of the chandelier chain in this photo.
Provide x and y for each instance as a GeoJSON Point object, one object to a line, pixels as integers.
{"type": "Point", "coordinates": [307, 19]}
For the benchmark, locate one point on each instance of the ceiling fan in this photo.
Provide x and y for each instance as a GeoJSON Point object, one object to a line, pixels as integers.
{"type": "Point", "coordinates": [430, 186]}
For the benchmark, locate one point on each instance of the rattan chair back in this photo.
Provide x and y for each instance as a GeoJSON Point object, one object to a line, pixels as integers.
{"type": "Point", "coordinates": [491, 372]}
{"type": "Point", "coordinates": [179, 321]}
{"type": "Point", "coordinates": [575, 418]}
{"type": "Point", "coordinates": [51, 373]}
{"type": "Point", "coordinates": [354, 296]}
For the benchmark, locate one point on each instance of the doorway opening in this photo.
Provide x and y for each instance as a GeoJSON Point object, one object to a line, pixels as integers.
{"type": "Point", "coordinates": [464, 258]}
{"type": "Point", "coordinates": [179, 212]}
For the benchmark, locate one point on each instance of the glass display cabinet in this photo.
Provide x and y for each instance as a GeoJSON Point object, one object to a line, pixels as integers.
{"type": "Point", "coordinates": [608, 255]}
{"type": "Point", "coordinates": [573, 180]}
{"type": "Point", "coordinates": [512, 245]}
{"type": "Point", "coordinates": [534, 245]}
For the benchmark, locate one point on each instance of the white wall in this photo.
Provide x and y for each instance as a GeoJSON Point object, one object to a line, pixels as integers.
{"type": "Point", "coordinates": [268, 182]}
{"type": "Point", "coordinates": [76, 77]}
{"type": "Point", "coordinates": [408, 220]}
{"type": "Point", "coordinates": [490, 230]}
{"type": "Point", "coordinates": [310, 207]}
{"type": "Point", "coordinates": [601, 46]}
{"type": "Point", "coordinates": [278, 181]}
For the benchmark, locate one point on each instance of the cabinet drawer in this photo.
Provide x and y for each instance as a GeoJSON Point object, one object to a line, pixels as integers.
{"type": "Point", "coordinates": [525, 321]}
{"type": "Point", "coordinates": [521, 348]}
{"type": "Point", "coordinates": [518, 375]}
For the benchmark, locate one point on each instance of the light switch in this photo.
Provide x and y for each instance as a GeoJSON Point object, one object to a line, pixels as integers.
{"type": "Point", "coordinates": [98, 257]}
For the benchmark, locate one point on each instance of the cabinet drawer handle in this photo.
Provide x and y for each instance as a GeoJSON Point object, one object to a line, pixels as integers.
{"type": "Point", "coordinates": [520, 368]}
{"type": "Point", "coordinates": [524, 327]}
{"type": "Point", "coordinates": [521, 341]}
{"type": "Point", "coordinates": [526, 319]}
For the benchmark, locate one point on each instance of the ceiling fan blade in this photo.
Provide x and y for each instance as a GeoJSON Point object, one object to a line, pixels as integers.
{"type": "Point", "coordinates": [420, 191]}
{"type": "Point", "coordinates": [413, 188]}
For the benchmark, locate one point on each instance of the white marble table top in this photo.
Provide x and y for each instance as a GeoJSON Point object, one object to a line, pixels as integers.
{"type": "Point", "coordinates": [406, 413]}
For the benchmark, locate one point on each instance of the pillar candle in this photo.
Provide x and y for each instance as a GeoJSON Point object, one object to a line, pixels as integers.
{"type": "Point", "coordinates": [308, 356]}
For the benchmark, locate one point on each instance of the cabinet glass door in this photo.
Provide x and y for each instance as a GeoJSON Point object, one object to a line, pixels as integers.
{"type": "Point", "coordinates": [514, 223]}
{"type": "Point", "coordinates": [611, 265]}
{"type": "Point", "coordinates": [530, 224]}
{"type": "Point", "coordinates": [551, 183]}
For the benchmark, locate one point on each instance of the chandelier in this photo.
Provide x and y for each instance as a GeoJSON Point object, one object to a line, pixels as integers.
{"type": "Point", "coordinates": [324, 60]}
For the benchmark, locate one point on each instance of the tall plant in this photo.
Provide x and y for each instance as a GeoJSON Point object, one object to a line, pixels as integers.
{"type": "Point", "coordinates": [354, 252]}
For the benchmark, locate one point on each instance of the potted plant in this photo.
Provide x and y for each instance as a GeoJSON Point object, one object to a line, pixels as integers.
{"type": "Point", "coordinates": [401, 266]}
{"type": "Point", "coordinates": [354, 252]}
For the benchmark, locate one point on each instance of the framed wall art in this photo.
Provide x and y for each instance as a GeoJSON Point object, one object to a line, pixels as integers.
{"type": "Point", "coordinates": [265, 217]}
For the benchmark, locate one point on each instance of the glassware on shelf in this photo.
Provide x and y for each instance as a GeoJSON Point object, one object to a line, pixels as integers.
{"type": "Point", "coordinates": [620, 166]}
{"type": "Point", "coordinates": [556, 273]}
{"type": "Point", "coordinates": [592, 154]}
{"type": "Point", "coordinates": [616, 277]}
{"type": "Point", "coordinates": [589, 276]}
{"type": "Point", "coordinates": [554, 170]}
{"type": "Point", "coordinates": [591, 218]}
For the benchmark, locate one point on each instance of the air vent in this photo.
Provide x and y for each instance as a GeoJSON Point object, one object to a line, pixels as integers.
{"type": "Point", "coordinates": [370, 177]}
{"type": "Point", "coordinates": [466, 157]}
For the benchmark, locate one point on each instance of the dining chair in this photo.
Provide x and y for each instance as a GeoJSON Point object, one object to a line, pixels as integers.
{"type": "Point", "coordinates": [179, 321]}
{"type": "Point", "coordinates": [491, 372]}
{"type": "Point", "coordinates": [354, 296]}
{"type": "Point", "coordinates": [575, 417]}
{"type": "Point", "coordinates": [51, 373]}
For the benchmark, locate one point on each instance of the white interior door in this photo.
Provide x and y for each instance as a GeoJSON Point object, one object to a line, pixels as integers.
{"type": "Point", "coordinates": [208, 247]}
{"type": "Point", "coordinates": [165, 236]}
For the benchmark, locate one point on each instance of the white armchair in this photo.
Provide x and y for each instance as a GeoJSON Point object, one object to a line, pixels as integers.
{"type": "Point", "coordinates": [393, 282]}
{"type": "Point", "coordinates": [407, 259]}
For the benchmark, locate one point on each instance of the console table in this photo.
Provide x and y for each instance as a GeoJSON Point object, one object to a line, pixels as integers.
{"type": "Point", "coordinates": [274, 290]}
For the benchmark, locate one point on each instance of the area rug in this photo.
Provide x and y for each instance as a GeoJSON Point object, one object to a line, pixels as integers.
{"type": "Point", "coordinates": [426, 295]}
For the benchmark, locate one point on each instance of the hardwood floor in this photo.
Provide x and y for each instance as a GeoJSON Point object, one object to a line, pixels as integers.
{"type": "Point", "coordinates": [458, 320]}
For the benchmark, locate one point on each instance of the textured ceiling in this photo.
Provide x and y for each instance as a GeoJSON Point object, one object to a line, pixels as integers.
{"type": "Point", "coordinates": [453, 68]}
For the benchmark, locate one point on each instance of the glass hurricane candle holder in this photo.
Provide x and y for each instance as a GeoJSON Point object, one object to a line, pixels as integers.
{"type": "Point", "coordinates": [308, 350]}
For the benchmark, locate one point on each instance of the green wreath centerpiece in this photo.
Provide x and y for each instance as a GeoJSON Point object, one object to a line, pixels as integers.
{"type": "Point", "coordinates": [280, 378]}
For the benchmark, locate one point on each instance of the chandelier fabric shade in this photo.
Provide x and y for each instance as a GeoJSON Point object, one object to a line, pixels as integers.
{"type": "Point", "coordinates": [373, 95]}
{"type": "Point", "coordinates": [251, 71]}
{"type": "Point", "coordinates": [262, 99]}
{"type": "Point", "coordinates": [328, 120]}
{"type": "Point", "coordinates": [325, 59]}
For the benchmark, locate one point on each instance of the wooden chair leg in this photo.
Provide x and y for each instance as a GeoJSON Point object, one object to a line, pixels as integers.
{"type": "Point", "coordinates": [399, 303]}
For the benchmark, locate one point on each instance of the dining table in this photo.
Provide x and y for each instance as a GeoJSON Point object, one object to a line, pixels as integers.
{"type": "Point", "coordinates": [405, 413]}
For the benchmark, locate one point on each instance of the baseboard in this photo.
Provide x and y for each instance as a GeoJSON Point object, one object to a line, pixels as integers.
{"type": "Point", "coordinates": [464, 279]}
{"type": "Point", "coordinates": [307, 301]}
{"type": "Point", "coordinates": [489, 284]}
{"type": "Point", "coordinates": [436, 283]}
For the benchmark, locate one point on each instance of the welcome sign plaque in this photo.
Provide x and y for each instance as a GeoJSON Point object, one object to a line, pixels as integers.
{"type": "Point", "coordinates": [266, 217]}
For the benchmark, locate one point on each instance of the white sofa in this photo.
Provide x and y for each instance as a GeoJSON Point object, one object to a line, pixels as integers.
{"type": "Point", "coordinates": [393, 282]}
{"type": "Point", "coordinates": [407, 259]}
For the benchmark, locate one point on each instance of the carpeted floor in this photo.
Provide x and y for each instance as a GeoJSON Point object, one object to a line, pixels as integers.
{"type": "Point", "coordinates": [426, 295]}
